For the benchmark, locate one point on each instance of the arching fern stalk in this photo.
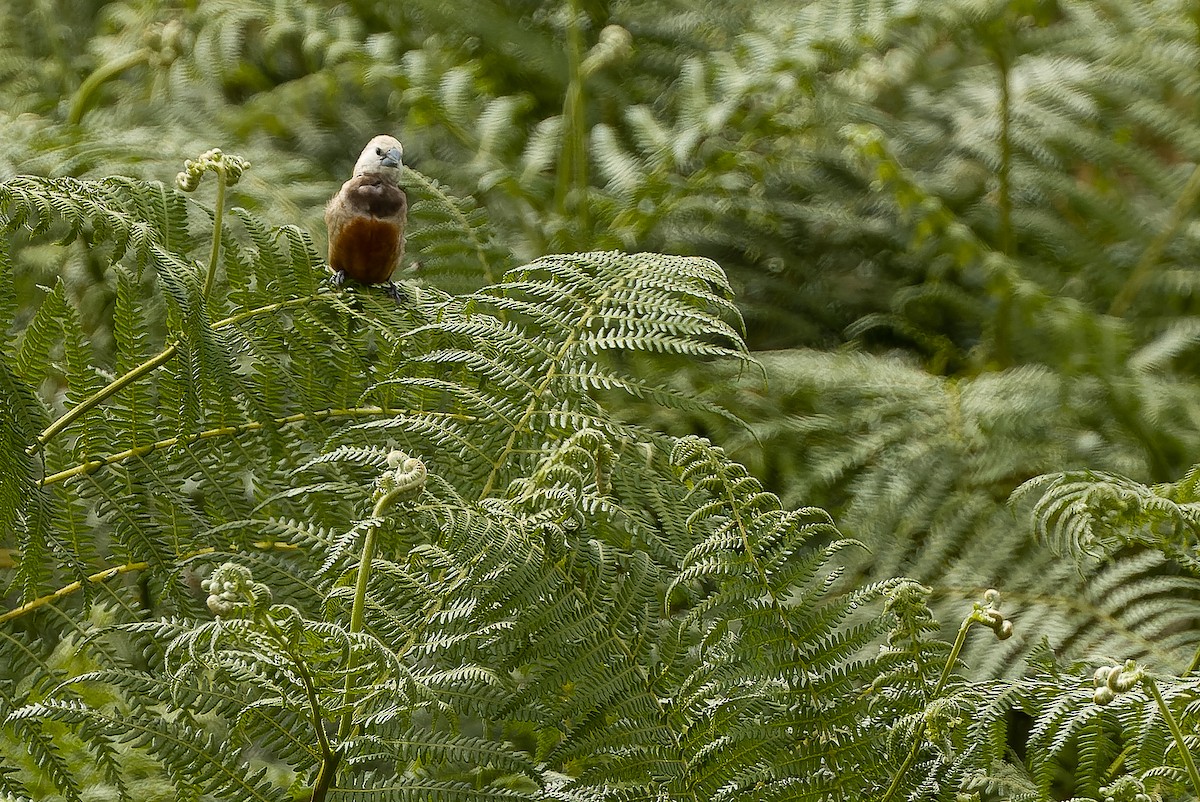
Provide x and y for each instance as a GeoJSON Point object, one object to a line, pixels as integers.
{"type": "Point", "coordinates": [558, 609]}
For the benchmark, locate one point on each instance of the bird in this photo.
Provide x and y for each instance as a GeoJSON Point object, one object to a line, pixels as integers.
{"type": "Point", "coordinates": [366, 218]}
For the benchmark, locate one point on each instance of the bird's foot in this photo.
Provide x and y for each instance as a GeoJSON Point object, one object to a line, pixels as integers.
{"type": "Point", "coordinates": [338, 278]}
{"type": "Point", "coordinates": [393, 292]}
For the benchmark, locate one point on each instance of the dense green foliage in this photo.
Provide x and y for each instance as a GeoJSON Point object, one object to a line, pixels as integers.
{"type": "Point", "coordinates": [933, 291]}
{"type": "Point", "coordinates": [558, 602]}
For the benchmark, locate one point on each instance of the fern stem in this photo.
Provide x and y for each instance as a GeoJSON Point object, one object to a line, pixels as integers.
{"type": "Point", "coordinates": [306, 679]}
{"type": "Point", "coordinates": [95, 579]}
{"type": "Point", "coordinates": [262, 310]}
{"type": "Point", "coordinates": [358, 614]}
{"type": "Point", "coordinates": [82, 99]}
{"type": "Point", "coordinates": [111, 573]}
{"type": "Point", "coordinates": [325, 775]}
{"type": "Point", "coordinates": [572, 168]}
{"type": "Point", "coordinates": [329, 757]}
{"type": "Point", "coordinates": [358, 610]}
{"type": "Point", "coordinates": [952, 660]}
{"type": "Point", "coordinates": [121, 382]}
{"type": "Point", "coordinates": [1195, 664]}
{"type": "Point", "coordinates": [218, 221]}
{"type": "Point", "coordinates": [1176, 732]}
{"type": "Point", "coordinates": [93, 465]}
{"type": "Point", "coordinates": [1141, 271]}
{"type": "Point", "coordinates": [1002, 327]}
{"type": "Point", "coordinates": [1005, 170]}
{"type": "Point", "coordinates": [947, 672]}
{"type": "Point", "coordinates": [116, 385]}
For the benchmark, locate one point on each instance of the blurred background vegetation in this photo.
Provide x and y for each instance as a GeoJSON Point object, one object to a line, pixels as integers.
{"type": "Point", "coordinates": [962, 233]}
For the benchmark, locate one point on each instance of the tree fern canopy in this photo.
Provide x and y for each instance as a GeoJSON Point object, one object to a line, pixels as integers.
{"type": "Point", "coordinates": [743, 349]}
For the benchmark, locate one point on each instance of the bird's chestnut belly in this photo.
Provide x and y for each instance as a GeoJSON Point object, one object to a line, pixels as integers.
{"type": "Point", "coordinates": [367, 250]}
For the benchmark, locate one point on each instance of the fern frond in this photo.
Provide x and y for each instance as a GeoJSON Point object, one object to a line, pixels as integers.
{"type": "Point", "coordinates": [511, 349]}
{"type": "Point", "coordinates": [1084, 512]}
{"type": "Point", "coordinates": [442, 223]}
{"type": "Point", "coordinates": [174, 745]}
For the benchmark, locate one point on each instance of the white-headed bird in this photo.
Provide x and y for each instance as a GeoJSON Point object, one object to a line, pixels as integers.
{"type": "Point", "coordinates": [366, 218]}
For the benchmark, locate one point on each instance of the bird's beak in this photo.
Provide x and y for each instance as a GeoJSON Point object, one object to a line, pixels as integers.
{"type": "Point", "coordinates": [391, 158]}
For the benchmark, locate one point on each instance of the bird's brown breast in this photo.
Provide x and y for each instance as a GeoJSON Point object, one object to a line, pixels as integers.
{"type": "Point", "coordinates": [366, 228]}
{"type": "Point", "coordinates": [370, 194]}
{"type": "Point", "coordinates": [367, 249]}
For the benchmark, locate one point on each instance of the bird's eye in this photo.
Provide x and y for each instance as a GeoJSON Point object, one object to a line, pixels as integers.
{"type": "Point", "coordinates": [378, 151]}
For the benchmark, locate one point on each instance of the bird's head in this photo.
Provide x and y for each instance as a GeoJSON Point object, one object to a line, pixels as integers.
{"type": "Point", "coordinates": [383, 155]}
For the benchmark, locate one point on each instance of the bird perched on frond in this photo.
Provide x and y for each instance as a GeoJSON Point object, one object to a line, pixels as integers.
{"type": "Point", "coordinates": [366, 218]}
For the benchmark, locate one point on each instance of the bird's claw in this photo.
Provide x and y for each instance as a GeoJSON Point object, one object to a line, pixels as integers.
{"type": "Point", "coordinates": [338, 278]}
{"type": "Point", "coordinates": [393, 292]}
